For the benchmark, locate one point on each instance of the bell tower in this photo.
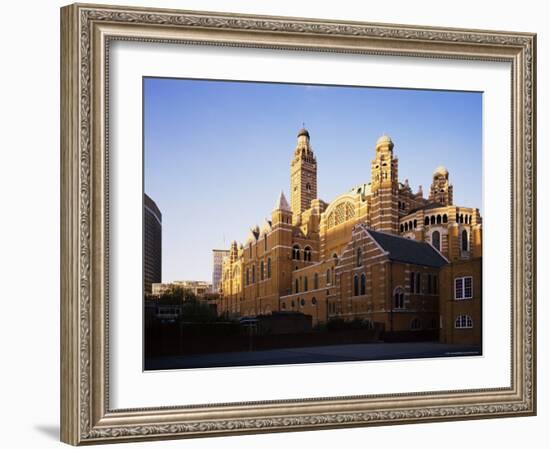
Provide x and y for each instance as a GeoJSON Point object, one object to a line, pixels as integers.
{"type": "Point", "coordinates": [441, 191]}
{"type": "Point", "coordinates": [303, 176]}
{"type": "Point", "coordinates": [384, 187]}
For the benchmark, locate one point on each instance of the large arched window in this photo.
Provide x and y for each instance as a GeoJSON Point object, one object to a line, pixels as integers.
{"type": "Point", "coordinates": [464, 240]}
{"type": "Point", "coordinates": [355, 285]}
{"type": "Point", "coordinates": [398, 299]}
{"type": "Point", "coordinates": [363, 284]}
{"type": "Point", "coordinates": [436, 240]}
{"type": "Point", "coordinates": [359, 258]}
{"type": "Point", "coordinates": [329, 277]}
{"type": "Point", "coordinates": [296, 252]}
{"type": "Point", "coordinates": [316, 281]}
{"type": "Point", "coordinates": [269, 268]}
{"type": "Point", "coordinates": [262, 270]}
{"type": "Point", "coordinates": [307, 254]}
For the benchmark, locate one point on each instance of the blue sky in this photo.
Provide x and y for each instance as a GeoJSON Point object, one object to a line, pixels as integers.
{"type": "Point", "coordinates": [217, 153]}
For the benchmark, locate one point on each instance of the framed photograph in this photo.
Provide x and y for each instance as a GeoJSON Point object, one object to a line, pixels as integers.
{"type": "Point", "coordinates": [277, 224]}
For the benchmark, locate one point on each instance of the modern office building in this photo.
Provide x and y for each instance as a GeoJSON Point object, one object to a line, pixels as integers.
{"type": "Point", "coordinates": [152, 244]}
{"type": "Point", "coordinates": [218, 256]}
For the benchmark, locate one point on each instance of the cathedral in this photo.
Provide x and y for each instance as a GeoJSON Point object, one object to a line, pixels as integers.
{"type": "Point", "coordinates": [380, 252]}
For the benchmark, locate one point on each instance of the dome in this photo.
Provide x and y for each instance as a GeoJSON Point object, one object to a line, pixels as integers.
{"type": "Point", "coordinates": [441, 171]}
{"type": "Point", "coordinates": [303, 132]}
{"type": "Point", "coordinates": [384, 140]}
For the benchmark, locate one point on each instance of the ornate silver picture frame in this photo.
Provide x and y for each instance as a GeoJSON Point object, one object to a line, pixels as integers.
{"type": "Point", "coordinates": [87, 33]}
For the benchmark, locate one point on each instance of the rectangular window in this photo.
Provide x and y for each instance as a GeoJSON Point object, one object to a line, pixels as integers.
{"type": "Point", "coordinates": [417, 283]}
{"type": "Point", "coordinates": [463, 287]}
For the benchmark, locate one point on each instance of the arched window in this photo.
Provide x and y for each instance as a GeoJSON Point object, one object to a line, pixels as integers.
{"type": "Point", "coordinates": [329, 277]}
{"type": "Point", "coordinates": [402, 228]}
{"type": "Point", "coordinates": [262, 270]}
{"type": "Point", "coordinates": [464, 240]}
{"type": "Point", "coordinates": [398, 299]}
{"type": "Point", "coordinates": [305, 284]}
{"type": "Point", "coordinates": [436, 240]}
{"type": "Point", "coordinates": [426, 221]}
{"type": "Point", "coordinates": [439, 219]}
{"type": "Point", "coordinates": [269, 268]}
{"type": "Point", "coordinates": [307, 254]}
{"type": "Point", "coordinates": [296, 286]}
{"type": "Point", "coordinates": [445, 219]}
{"type": "Point", "coordinates": [302, 302]}
{"type": "Point", "coordinates": [406, 226]}
{"type": "Point", "coordinates": [315, 281]}
{"type": "Point", "coordinates": [432, 219]}
{"type": "Point", "coordinates": [296, 252]}
{"type": "Point", "coordinates": [461, 219]}
{"type": "Point", "coordinates": [314, 301]}
{"type": "Point", "coordinates": [359, 259]}
{"type": "Point", "coordinates": [335, 258]}
{"type": "Point", "coordinates": [253, 273]}
{"type": "Point", "coordinates": [414, 223]}
{"type": "Point", "coordinates": [410, 225]}
{"type": "Point", "coordinates": [355, 285]}
{"type": "Point", "coordinates": [415, 324]}
{"type": "Point", "coordinates": [363, 284]}
{"type": "Point", "coordinates": [464, 322]}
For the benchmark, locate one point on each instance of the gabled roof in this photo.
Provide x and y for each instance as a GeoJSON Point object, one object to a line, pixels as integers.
{"type": "Point", "coordinates": [405, 250]}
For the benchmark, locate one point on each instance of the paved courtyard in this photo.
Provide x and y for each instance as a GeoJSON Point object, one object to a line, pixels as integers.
{"type": "Point", "coordinates": [314, 354]}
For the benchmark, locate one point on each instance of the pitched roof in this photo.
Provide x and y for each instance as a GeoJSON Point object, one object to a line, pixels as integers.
{"type": "Point", "coordinates": [405, 250]}
{"type": "Point", "coordinates": [282, 203]}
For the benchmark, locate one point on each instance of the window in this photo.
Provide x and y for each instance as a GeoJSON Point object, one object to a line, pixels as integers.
{"type": "Point", "coordinates": [296, 252]}
{"type": "Point", "coordinates": [296, 286]}
{"type": "Point", "coordinates": [269, 268]}
{"type": "Point", "coordinates": [432, 219]}
{"type": "Point", "coordinates": [253, 273]}
{"type": "Point", "coordinates": [315, 281]}
{"type": "Point", "coordinates": [464, 240]}
{"type": "Point", "coordinates": [463, 287]}
{"type": "Point", "coordinates": [283, 305]}
{"type": "Point", "coordinates": [445, 218]}
{"type": "Point", "coordinates": [262, 270]}
{"type": "Point", "coordinates": [307, 254]}
{"type": "Point", "coordinates": [436, 240]}
{"type": "Point", "coordinates": [314, 301]}
{"type": "Point", "coordinates": [417, 283]}
{"type": "Point", "coordinates": [412, 282]}
{"type": "Point", "coordinates": [426, 221]}
{"type": "Point", "coordinates": [359, 260]}
{"type": "Point", "coordinates": [363, 284]}
{"type": "Point", "coordinates": [429, 283]}
{"type": "Point", "coordinates": [329, 277]}
{"type": "Point", "coordinates": [265, 242]}
{"type": "Point", "coordinates": [415, 324]}
{"type": "Point", "coordinates": [302, 302]}
{"type": "Point", "coordinates": [247, 276]}
{"type": "Point", "coordinates": [398, 299]}
{"type": "Point", "coordinates": [305, 284]}
{"type": "Point", "coordinates": [464, 322]}
{"type": "Point", "coordinates": [355, 285]}
{"type": "Point", "coordinates": [439, 219]}
{"type": "Point", "coordinates": [335, 258]}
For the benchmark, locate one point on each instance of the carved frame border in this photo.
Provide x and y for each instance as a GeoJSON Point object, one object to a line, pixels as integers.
{"type": "Point", "coordinates": [86, 32]}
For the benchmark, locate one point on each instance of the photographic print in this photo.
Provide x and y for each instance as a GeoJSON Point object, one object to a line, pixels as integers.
{"type": "Point", "coordinates": [292, 223]}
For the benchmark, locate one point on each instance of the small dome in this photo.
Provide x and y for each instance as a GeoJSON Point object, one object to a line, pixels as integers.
{"type": "Point", "coordinates": [441, 171]}
{"type": "Point", "coordinates": [303, 132]}
{"type": "Point", "coordinates": [383, 140]}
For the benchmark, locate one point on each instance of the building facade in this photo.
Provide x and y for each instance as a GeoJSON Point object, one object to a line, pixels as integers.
{"type": "Point", "coordinates": [217, 256]}
{"type": "Point", "coordinates": [379, 252]}
{"type": "Point", "coordinates": [152, 244]}
{"type": "Point", "coordinates": [198, 288]}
